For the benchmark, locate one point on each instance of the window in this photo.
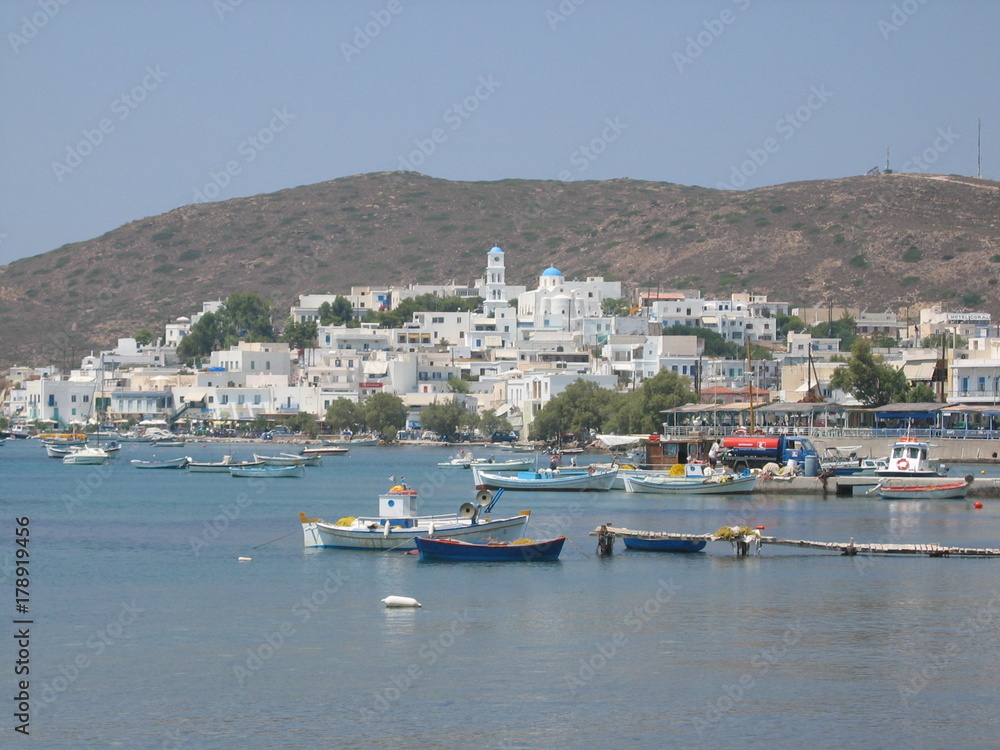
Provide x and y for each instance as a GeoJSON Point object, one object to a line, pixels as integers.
{"type": "Point", "coordinates": [256, 398]}
{"type": "Point", "coordinates": [72, 399]}
{"type": "Point", "coordinates": [224, 399]}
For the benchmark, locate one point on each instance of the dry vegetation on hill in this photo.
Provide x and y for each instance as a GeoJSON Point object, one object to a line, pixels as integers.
{"type": "Point", "coordinates": [875, 242]}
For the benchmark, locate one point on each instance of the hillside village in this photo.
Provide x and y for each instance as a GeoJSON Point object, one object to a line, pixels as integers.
{"type": "Point", "coordinates": [518, 350]}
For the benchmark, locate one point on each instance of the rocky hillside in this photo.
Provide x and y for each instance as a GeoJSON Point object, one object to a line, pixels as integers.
{"type": "Point", "coordinates": [876, 242]}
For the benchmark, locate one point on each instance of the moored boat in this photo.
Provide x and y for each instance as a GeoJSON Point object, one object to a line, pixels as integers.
{"type": "Point", "coordinates": [910, 457]}
{"type": "Point", "coordinates": [220, 467]}
{"type": "Point", "coordinates": [520, 550]}
{"type": "Point", "coordinates": [901, 489]}
{"type": "Point", "coordinates": [268, 472]}
{"type": "Point", "coordinates": [324, 450]}
{"type": "Point", "coordinates": [397, 525]}
{"type": "Point", "coordinates": [288, 459]}
{"type": "Point", "coordinates": [545, 480]}
{"type": "Point", "coordinates": [171, 463]}
{"type": "Point", "coordinates": [694, 481]}
{"type": "Point", "coordinates": [86, 455]}
{"type": "Point", "coordinates": [646, 544]}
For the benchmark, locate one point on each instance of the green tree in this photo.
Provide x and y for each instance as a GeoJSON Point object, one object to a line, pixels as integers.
{"type": "Point", "coordinates": [580, 409]}
{"type": "Point", "coordinates": [642, 409]}
{"type": "Point", "coordinates": [843, 329]}
{"type": "Point", "coordinates": [616, 306]}
{"type": "Point", "coordinates": [443, 417]}
{"type": "Point", "coordinates": [457, 385]}
{"type": "Point", "coordinates": [868, 378]}
{"type": "Point", "coordinates": [249, 316]}
{"type": "Point", "coordinates": [302, 422]}
{"type": "Point", "coordinates": [403, 312]}
{"type": "Point", "coordinates": [337, 313]}
{"type": "Point", "coordinates": [209, 334]}
{"type": "Point", "coordinates": [490, 423]}
{"type": "Point", "coordinates": [789, 324]}
{"type": "Point", "coordinates": [344, 414]}
{"type": "Point", "coordinates": [921, 393]}
{"type": "Point", "coordinates": [144, 337]}
{"type": "Point", "coordinates": [300, 335]}
{"type": "Point", "coordinates": [385, 414]}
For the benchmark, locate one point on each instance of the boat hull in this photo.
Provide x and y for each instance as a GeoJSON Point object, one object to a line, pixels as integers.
{"type": "Point", "coordinates": [599, 481]}
{"type": "Point", "coordinates": [175, 463]}
{"type": "Point", "coordinates": [372, 534]}
{"type": "Point", "coordinates": [719, 485]}
{"type": "Point", "coordinates": [928, 491]}
{"type": "Point", "coordinates": [664, 545]}
{"type": "Point", "coordinates": [460, 551]}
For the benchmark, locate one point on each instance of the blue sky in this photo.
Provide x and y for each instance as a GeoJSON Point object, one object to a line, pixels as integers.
{"type": "Point", "coordinates": [114, 111]}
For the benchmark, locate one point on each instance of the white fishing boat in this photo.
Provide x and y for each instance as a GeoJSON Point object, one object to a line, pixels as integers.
{"type": "Point", "coordinates": [324, 450]}
{"type": "Point", "coordinates": [910, 457]}
{"type": "Point", "coordinates": [171, 463]}
{"type": "Point", "coordinates": [546, 480]}
{"type": "Point", "coordinates": [397, 524]}
{"type": "Point", "coordinates": [288, 459]}
{"type": "Point", "coordinates": [351, 441]}
{"type": "Point", "coordinates": [220, 467]}
{"type": "Point", "coordinates": [86, 455]}
{"type": "Point", "coordinates": [693, 481]}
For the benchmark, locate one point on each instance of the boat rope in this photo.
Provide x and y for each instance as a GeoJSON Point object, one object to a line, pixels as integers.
{"type": "Point", "coordinates": [275, 540]}
{"type": "Point", "coordinates": [577, 548]}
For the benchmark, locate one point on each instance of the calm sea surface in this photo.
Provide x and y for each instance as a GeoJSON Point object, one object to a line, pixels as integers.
{"type": "Point", "coordinates": [147, 632]}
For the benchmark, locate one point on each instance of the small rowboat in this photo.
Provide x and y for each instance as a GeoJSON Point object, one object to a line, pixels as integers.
{"type": "Point", "coordinates": [288, 459]}
{"type": "Point", "coordinates": [325, 450]}
{"type": "Point", "coordinates": [173, 463]}
{"type": "Point", "coordinates": [268, 472]}
{"type": "Point", "coordinates": [896, 490]}
{"type": "Point", "coordinates": [664, 545]}
{"type": "Point", "coordinates": [521, 550]}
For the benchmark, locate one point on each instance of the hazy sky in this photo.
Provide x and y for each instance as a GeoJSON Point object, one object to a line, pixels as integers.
{"type": "Point", "coordinates": [113, 111]}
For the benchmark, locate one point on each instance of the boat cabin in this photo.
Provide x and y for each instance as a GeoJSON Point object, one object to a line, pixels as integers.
{"type": "Point", "coordinates": [661, 452]}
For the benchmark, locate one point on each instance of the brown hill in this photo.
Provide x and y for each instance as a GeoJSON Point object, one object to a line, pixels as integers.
{"type": "Point", "coordinates": [876, 242]}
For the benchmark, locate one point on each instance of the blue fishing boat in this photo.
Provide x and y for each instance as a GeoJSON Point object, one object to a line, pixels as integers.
{"type": "Point", "coordinates": [664, 545]}
{"type": "Point", "coordinates": [520, 550]}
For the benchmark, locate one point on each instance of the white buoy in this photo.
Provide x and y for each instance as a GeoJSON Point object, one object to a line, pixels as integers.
{"type": "Point", "coordinates": [244, 559]}
{"type": "Point", "coordinates": [401, 601]}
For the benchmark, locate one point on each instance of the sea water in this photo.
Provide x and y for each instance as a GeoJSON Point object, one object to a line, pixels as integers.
{"type": "Point", "coordinates": [146, 630]}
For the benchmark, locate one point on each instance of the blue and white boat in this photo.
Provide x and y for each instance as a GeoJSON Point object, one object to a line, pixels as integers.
{"type": "Point", "coordinates": [547, 480]}
{"type": "Point", "coordinates": [397, 525]}
{"type": "Point", "coordinates": [645, 544]}
{"type": "Point", "coordinates": [693, 481]}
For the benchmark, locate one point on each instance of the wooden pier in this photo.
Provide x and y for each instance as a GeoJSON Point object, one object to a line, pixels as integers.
{"type": "Point", "coordinates": [743, 543]}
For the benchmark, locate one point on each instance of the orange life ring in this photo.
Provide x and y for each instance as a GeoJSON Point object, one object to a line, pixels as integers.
{"type": "Point", "coordinates": [740, 431]}
{"type": "Point", "coordinates": [902, 464]}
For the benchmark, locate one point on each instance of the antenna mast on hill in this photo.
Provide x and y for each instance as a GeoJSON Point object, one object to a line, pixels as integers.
{"type": "Point", "coordinates": [887, 170]}
{"type": "Point", "coordinates": [979, 149]}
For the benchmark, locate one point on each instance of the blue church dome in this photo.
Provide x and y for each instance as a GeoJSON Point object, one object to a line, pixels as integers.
{"type": "Point", "coordinates": [496, 249]}
{"type": "Point", "coordinates": [551, 271]}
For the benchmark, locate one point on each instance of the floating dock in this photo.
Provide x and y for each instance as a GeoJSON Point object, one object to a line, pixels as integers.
{"type": "Point", "coordinates": [982, 487]}
{"type": "Point", "coordinates": [743, 543]}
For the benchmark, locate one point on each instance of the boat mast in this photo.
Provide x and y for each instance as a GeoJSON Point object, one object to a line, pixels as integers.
{"type": "Point", "coordinates": [750, 382]}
